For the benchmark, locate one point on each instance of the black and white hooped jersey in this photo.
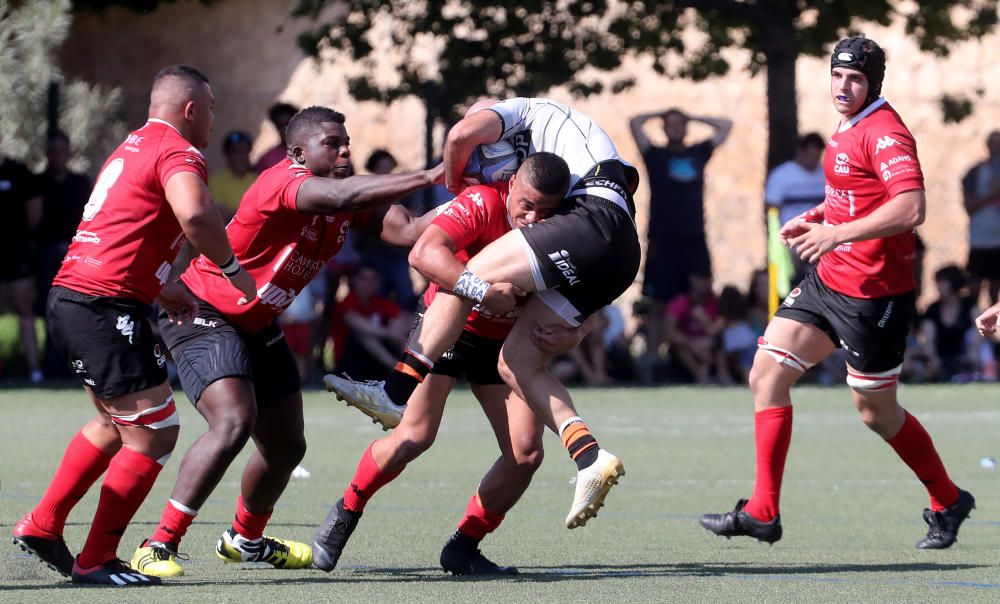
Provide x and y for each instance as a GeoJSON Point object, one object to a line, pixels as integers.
{"type": "Point", "coordinates": [538, 124]}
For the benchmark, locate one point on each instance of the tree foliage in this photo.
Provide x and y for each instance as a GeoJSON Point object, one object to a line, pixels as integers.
{"type": "Point", "coordinates": [30, 35]}
{"type": "Point", "coordinates": [523, 47]}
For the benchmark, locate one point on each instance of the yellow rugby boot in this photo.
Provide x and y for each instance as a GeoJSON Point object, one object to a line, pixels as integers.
{"type": "Point", "coordinates": [279, 553]}
{"type": "Point", "coordinates": [157, 560]}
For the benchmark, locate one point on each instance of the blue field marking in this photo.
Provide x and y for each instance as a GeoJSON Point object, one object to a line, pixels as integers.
{"type": "Point", "coordinates": [966, 584]}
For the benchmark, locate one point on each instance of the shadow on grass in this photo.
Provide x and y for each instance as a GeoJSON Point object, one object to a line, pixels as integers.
{"type": "Point", "coordinates": [539, 574]}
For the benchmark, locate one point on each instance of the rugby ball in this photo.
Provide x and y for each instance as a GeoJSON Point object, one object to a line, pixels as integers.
{"type": "Point", "coordinates": [495, 162]}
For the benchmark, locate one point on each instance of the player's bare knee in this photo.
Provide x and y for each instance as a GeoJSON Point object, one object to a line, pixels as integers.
{"type": "Point", "coordinates": [234, 426]}
{"type": "Point", "coordinates": [529, 460]}
{"type": "Point", "coordinates": [291, 452]}
{"type": "Point", "coordinates": [413, 444]}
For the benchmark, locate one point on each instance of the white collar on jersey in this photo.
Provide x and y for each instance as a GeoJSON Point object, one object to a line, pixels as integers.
{"type": "Point", "coordinates": [156, 120]}
{"type": "Point", "coordinates": [868, 110]}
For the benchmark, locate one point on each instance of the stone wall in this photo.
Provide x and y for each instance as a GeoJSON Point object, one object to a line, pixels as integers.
{"type": "Point", "coordinates": [251, 64]}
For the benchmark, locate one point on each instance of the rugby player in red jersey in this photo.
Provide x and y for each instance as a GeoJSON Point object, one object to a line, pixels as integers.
{"type": "Point", "coordinates": [232, 360]}
{"type": "Point", "coordinates": [576, 262]}
{"type": "Point", "coordinates": [151, 193]}
{"type": "Point", "coordinates": [477, 217]}
{"type": "Point", "coordinates": [861, 297]}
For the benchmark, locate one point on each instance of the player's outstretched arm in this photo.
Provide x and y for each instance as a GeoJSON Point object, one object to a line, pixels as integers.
{"type": "Point", "coordinates": [475, 129]}
{"type": "Point", "coordinates": [201, 222]}
{"type": "Point", "coordinates": [319, 195]}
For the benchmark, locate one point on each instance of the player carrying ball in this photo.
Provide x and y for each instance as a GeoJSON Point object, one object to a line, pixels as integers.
{"type": "Point", "coordinates": [860, 297]}
{"type": "Point", "coordinates": [477, 217]}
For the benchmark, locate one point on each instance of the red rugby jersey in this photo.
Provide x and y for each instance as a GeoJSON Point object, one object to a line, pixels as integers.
{"type": "Point", "coordinates": [866, 166]}
{"type": "Point", "coordinates": [129, 236]}
{"type": "Point", "coordinates": [475, 219]}
{"type": "Point", "coordinates": [281, 247]}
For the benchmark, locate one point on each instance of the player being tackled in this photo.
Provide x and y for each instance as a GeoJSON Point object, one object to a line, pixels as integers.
{"type": "Point", "coordinates": [576, 262]}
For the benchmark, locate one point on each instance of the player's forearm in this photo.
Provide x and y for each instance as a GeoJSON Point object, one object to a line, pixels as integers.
{"type": "Point", "coordinates": [437, 264]}
{"type": "Point", "coordinates": [900, 214]}
{"type": "Point", "coordinates": [182, 261]}
{"type": "Point", "coordinates": [206, 232]}
{"type": "Point", "coordinates": [355, 193]}
{"type": "Point", "coordinates": [476, 129]}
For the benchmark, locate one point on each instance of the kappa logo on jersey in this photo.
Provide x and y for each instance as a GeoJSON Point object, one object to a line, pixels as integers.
{"type": "Point", "coordinates": [476, 198]}
{"type": "Point", "coordinates": [562, 261]}
{"type": "Point", "coordinates": [126, 326]}
{"type": "Point", "coordinates": [841, 166]}
{"type": "Point", "coordinates": [78, 366]}
{"type": "Point", "coordinates": [161, 359]}
{"type": "Point", "coordinates": [884, 143]}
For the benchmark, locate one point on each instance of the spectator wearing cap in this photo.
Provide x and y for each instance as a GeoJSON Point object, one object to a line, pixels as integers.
{"type": "Point", "coordinates": [279, 114]}
{"type": "Point", "coordinates": [228, 184]}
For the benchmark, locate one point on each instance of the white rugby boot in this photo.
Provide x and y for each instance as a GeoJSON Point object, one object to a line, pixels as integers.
{"type": "Point", "coordinates": [592, 486]}
{"type": "Point", "coordinates": [369, 397]}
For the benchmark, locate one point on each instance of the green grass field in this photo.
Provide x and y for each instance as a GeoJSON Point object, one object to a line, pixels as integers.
{"type": "Point", "coordinates": [851, 510]}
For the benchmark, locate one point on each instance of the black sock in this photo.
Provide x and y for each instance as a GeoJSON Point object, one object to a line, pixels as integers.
{"type": "Point", "coordinates": [464, 542]}
{"type": "Point", "coordinates": [588, 457]}
{"type": "Point", "coordinates": [409, 372]}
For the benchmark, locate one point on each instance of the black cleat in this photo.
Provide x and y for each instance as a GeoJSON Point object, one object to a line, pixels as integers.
{"type": "Point", "coordinates": [741, 524]}
{"type": "Point", "coordinates": [944, 525]}
{"type": "Point", "coordinates": [461, 557]}
{"type": "Point", "coordinates": [53, 552]}
{"type": "Point", "coordinates": [332, 535]}
{"type": "Point", "coordinates": [115, 573]}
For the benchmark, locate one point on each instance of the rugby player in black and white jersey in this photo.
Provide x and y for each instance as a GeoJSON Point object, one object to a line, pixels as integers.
{"type": "Point", "coordinates": [577, 262]}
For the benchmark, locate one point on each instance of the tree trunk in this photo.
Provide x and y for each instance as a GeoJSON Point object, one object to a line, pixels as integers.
{"type": "Point", "coordinates": [782, 98]}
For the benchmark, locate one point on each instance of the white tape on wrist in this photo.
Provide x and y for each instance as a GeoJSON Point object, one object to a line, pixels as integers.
{"type": "Point", "coordinates": [470, 286]}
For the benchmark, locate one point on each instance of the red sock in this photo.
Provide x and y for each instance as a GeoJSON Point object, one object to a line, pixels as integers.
{"type": "Point", "coordinates": [82, 464]}
{"type": "Point", "coordinates": [247, 524]}
{"type": "Point", "coordinates": [772, 435]}
{"type": "Point", "coordinates": [130, 477]}
{"type": "Point", "coordinates": [915, 447]}
{"type": "Point", "coordinates": [174, 522]}
{"type": "Point", "coordinates": [478, 521]}
{"type": "Point", "coordinates": [368, 479]}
